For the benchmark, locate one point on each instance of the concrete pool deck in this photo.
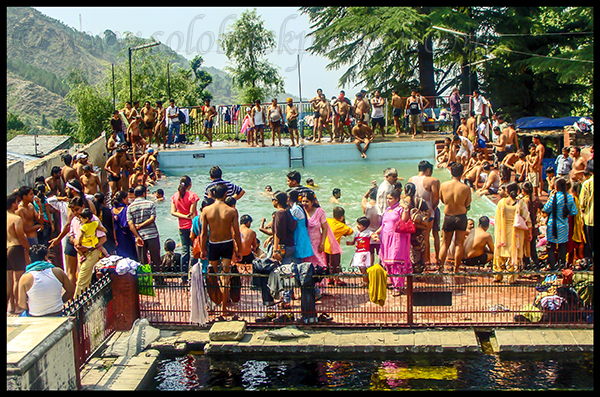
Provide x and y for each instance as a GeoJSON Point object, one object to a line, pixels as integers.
{"type": "Point", "coordinates": [132, 373]}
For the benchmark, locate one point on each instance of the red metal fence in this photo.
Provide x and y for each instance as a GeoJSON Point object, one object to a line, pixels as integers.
{"type": "Point", "coordinates": [450, 300]}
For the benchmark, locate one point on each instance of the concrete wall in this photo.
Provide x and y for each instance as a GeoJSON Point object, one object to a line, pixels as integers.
{"type": "Point", "coordinates": [23, 174]}
{"type": "Point", "coordinates": [279, 156]}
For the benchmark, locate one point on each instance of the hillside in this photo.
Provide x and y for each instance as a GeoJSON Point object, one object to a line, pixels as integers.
{"type": "Point", "coordinates": [42, 51]}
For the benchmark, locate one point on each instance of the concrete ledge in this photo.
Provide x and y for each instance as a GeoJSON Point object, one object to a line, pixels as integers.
{"type": "Point", "coordinates": [543, 340]}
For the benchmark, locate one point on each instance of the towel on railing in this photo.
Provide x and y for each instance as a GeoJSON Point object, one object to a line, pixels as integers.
{"type": "Point", "coordinates": [198, 301]}
{"type": "Point", "coordinates": [377, 284]}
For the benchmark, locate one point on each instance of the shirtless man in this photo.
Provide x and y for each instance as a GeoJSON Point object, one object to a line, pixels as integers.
{"type": "Point", "coordinates": [361, 109]}
{"type": "Point", "coordinates": [32, 221]}
{"type": "Point", "coordinates": [428, 188]}
{"type": "Point", "coordinates": [17, 251]}
{"type": "Point", "coordinates": [472, 127]}
{"type": "Point", "coordinates": [314, 101]}
{"type": "Point", "coordinates": [149, 115]}
{"type": "Point", "coordinates": [363, 134]}
{"type": "Point", "coordinates": [129, 112]}
{"type": "Point", "coordinates": [511, 138]}
{"type": "Point", "coordinates": [90, 181]}
{"type": "Point", "coordinates": [55, 183]}
{"type": "Point", "coordinates": [520, 166]}
{"type": "Point", "coordinates": [397, 112]}
{"type": "Point", "coordinates": [462, 129]}
{"type": "Point", "coordinates": [541, 151]}
{"type": "Point", "coordinates": [472, 177]}
{"type": "Point", "coordinates": [275, 117]}
{"type": "Point", "coordinates": [492, 182]}
{"type": "Point", "coordinates": [343, 110]}
{"type": "Point", "coordinates": [479, 245]}
{"type": "Point", "coordinates": [291, 117]}
{"type": "Point", "coordinates": [534, 166]}
{"type": "Point", "coordinates": [137, 140]}
{"type": "Point", "coordinates": [114, 167]}
{"type": "Point", "coordinates": [221, 221]}
{"type": "Point", "coordinates": [456, 197]}
{"type": "Point", "coordinates": [81, 159]}
{"type": "Point", "coordinates": [324, 117]}
{"type": "Point", "coordinates": [209, 112]}
{"type": "Point", "coordinates": [579, 164]}
{"type": "Point", "coordinates": [499, 145]}
{"type": "Point", "coordinates": [160, 125]}
{"type": "Point", "coordinates": [249, 242]}
{"type": "Point", "coordinates": [68, 172]}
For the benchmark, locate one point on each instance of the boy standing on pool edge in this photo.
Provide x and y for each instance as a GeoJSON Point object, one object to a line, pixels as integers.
{"type": "Point", "coordinates": [222, 222]}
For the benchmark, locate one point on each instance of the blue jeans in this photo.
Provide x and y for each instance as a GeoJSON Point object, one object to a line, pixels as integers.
{"type": "Point", "coordinates": [175, 125]}
{"type": "Point", "coordinates": [186, 246]}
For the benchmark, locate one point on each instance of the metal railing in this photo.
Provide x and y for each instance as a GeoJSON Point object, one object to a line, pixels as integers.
{"type": "Point", "coordinates": [450, 300]}
{"type": "Point", "coordinates": [229, 118]}
{"type": "Point", "coordinates": [94, 318]}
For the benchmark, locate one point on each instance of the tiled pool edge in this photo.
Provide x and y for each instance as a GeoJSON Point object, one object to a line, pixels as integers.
{"type": "Point", "coordinates": [279, 156]}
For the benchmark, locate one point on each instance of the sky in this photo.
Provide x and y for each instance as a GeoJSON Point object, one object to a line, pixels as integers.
{"type": "Point", "coordinates": [194, 31]}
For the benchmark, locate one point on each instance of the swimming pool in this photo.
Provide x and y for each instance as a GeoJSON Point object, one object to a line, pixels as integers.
{"type": "Point", "coordinates": [353, 179]}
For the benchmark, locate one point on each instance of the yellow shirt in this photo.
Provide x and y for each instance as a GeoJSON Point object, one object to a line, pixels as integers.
{"type": "Point", "coordinates": [339, 229]}
{"type": "Point", "coordinates": [586, 200]}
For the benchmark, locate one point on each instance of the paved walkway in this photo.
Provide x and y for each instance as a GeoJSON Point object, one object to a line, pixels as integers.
{"type": "Point", "coordinates": [133, 373]}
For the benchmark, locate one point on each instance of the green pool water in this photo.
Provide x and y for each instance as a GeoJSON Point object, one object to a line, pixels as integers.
{"type": "Point", "coordinates": [353, 180]}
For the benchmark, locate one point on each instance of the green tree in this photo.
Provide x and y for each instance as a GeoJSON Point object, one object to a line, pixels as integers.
{"type": "Point", "coordinates": [92, 107]}
{"type": "Point", "coordinates": [246, 43]}
{"type": "Point", "coordinates": [14, 126]}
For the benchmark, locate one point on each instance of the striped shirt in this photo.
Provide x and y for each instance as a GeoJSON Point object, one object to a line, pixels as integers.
{"type": "Point", "coordinates": [231, 188]}
{"type": "Point", "coordinates": [140, 210]}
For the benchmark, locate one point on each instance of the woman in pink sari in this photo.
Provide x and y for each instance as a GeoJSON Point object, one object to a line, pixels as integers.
{"type": "Point", "coordinates": [318, 231]}
{"type": "Point", "coordinates": [395, 247]}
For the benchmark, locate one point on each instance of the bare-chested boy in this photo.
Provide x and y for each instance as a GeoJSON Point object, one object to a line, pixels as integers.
{"type": "Point", "coordinates": [456, 197]}
{"type": "Point", "coordinates": [361, 109]}
{"type": "Point", "coordinates": [137, 141]}
{"type": "Point", "coordinates": [579, 164]}
{"type": "Point", "coordinates": [114, 167]}
{"type": "Point", "coordinates": [520, 166]}
{"type": "Point", "coordinates": [17, 255]}
{"type": "Point", "coordinates": [291, 117]}
{"type": "Point", "coordinates": [221, 221]}
{"type": "Point", "coordinates": [479, 245]}
{"type": "Point", "coordinates": [471, 125]}
{"type": "Point", "coordinates": [55, 183]}
{"type": "Point", "coordinates": [540, 149]}
{"type": "Point", "coordinates": [363, 134]}
{"type": "Point", "coordinates": [343, 111]}
{"type": "Point", "coordinates": [149, 115]}
{"type": "Point", "coordinates": [90, 181]}
{"type": "Point", "coordinates": [462, 129]}
{"type": "Point", "coordinates": [249, 241]}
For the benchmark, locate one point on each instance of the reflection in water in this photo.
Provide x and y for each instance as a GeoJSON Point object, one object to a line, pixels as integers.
{"type": "Point", "coordinates": [415, 372]}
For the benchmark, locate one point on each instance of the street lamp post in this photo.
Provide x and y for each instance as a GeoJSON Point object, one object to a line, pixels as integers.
{"type": "Point", "coordinates": [131, 49]}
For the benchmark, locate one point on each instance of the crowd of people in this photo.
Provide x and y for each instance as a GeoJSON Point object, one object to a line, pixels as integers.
{"type": "Point", "coordinates": [67, 220]}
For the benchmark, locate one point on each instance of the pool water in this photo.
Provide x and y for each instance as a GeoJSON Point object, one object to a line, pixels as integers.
{"type": "Point", "coordinates": [354, 181]}
{"type": "Point", "coordinates": [556, 371]}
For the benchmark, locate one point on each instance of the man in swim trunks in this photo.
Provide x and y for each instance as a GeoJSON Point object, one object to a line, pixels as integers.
{"type": "Point", "coordinates": [456, 197]}
{"type": "Point", "coordinates": [397, 112]}
{"type": "Point", "coordinates": [160, 125]}
{"type": "Point", "coordinates": [148, 114]}
{"type": "Point", "coordinates": [479, 245]}
{"type": "Point", "coordinates": [17, 251]}
{"type": "Point", "coordinates": [291, 117]}
{"type": "Point", "coordinates": [221, 221]}
{"type": "Point", "coordinates": [363, 134]}
{"type": "Point", "coordinates": [209, 114]}
{"type": "Point", "coordinates": [361, 109]}
{"type": "Point", "coordinates": [343, 112]}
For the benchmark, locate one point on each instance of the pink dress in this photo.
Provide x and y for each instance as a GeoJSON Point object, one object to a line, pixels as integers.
{"type": "Point", "coordinates": [314, 233]}
{"type": "Point", "coordinates": [395, 247]}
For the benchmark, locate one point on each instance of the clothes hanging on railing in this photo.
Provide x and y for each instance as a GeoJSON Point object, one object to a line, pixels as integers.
{"type": "Point", "coordinates": [198, 300]}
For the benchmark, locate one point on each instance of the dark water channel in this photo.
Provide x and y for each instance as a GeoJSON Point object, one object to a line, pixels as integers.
{"type": "Point", "coordinates": [524, 371]}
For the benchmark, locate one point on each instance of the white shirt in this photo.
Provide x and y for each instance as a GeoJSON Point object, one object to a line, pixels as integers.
{"type": "Point", "coordinates": [45, 295]}
{"type": "Point", "coordinates": [478, 104]}
{"type": "Point", "coordinates": [377, 111]}
{"type": "Point", "coordinates": [170, 112]}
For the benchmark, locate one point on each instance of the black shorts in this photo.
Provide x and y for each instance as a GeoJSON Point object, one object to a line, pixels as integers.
{"type": "Point", "coordinates": [222, 250]}
{"type": "Point", "coordinates": [333, 261]}
{"type": "Point", "coordinates": [70, 249]}
{"type": "Point", "coordinates": [455, 223]}
{"type": "Point", "coordinates": [477, 261]}
{"type": "Point", "coordinates": [112, 178]}
{"type": "Point", "coordinates": [15, 258]}
{"type": "Point", "coordinates": [247, 259]}
{"type": "Point", "coordinates": [380, 121]}
{"type": "Point", "coordinates": [398, 112]}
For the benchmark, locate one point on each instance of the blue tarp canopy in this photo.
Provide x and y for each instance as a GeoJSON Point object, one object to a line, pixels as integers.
{"type": "Point", "coordinates": [544, 123]}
